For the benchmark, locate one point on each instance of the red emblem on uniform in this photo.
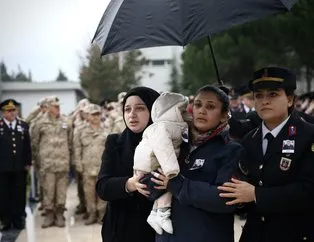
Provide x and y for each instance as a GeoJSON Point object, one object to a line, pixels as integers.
{"type": "Point", "coordinates": [285, 163]}
{"type": "Point", "coordinates": [292, 130]}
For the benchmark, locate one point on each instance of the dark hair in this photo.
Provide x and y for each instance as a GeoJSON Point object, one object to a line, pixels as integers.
{"type": "Point", "coordinates": [219, 92]}
{"type": "Point", "coordinates": [290, 92]}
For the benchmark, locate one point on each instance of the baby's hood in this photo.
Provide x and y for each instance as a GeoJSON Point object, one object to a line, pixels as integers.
{"type": "Point", "coordinates": [169, 107]}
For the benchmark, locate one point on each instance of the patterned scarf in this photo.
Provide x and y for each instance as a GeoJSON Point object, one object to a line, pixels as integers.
{"type": "Point", "coordinates": [198, 138]}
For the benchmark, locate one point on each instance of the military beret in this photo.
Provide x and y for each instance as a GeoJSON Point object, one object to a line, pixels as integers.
{"type": "Point", "coordinates": [273, 77]}
{"type": "Point", "coordinates": [9, 104]}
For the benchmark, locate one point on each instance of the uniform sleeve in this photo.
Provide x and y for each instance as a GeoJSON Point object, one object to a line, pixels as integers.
{"type": "Point", "coordinates": [32, 115]}
{"type": "Point", "coordinates": [294, 197]}
{"type": "Point", "coordinates": [36, 140]}
{"type": "Point", "coordinates": [163, 149]}
{"type": "Point", "coordinates": [110, 187]}
{"type": "Point", "coordinates": [202, 194]}
{"type": "Point", "coordinates": [77, 151]}
{"type": "Point", "coordinates": [70, 136]}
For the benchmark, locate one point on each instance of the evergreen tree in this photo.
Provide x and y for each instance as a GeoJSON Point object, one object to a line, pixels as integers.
{"type": "Point", "coordinates": [107, 76]}
{"type": "Point", "coordinates": [61, 76]}
{"type": "Point", "coordinates": [21, 76]}
{"type": "Point", "coordinates": [285, 40]}
{"type": "Point", "coordinates": [4, 76]}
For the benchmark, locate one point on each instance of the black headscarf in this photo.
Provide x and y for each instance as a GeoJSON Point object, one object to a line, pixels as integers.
{"type": "Point", "coordinates": [148, 96]}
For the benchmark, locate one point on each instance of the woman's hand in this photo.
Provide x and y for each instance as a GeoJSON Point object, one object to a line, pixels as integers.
{"type": "Point", "coordinates": [132, 183]}
{"type": "Point", "coordinates": [241, 191]}
{"type": "Point", "coordinates": [161, 180]}
{"type": "Point", "coordinates": [142, 188]}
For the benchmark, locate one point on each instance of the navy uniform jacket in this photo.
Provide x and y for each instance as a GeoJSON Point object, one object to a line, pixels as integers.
{"type": "Point", "coordinates": [198, 213]}
{"type": "Point", "coordinates": [15, 147]}
{"type": "Point", "coordinates": [239, 128]}
{"type": "Point", "coordinates": [284, 184]}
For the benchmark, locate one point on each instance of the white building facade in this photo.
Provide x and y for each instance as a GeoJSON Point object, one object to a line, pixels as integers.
{"type": "Point", "coordinates": [157, 70]}
{"type": "Point", "coordinates": [29, 93]}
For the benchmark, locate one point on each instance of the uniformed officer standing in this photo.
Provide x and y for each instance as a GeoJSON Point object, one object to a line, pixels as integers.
{"type": "Point", "coordinates": [280, 188]}
{"type": "Point", "coordinates": [52, 138]}
{"type": "Point", "coordinates": [89, 145]}
{"type": "Point", "coordinates": [79, 121]}
{"type": "Point", "coordinates": [15, 161]}
{"type": "Point", "coordinates": [32, 121]}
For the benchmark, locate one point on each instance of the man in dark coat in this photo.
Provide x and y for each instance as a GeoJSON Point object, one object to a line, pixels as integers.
{"type": "Point", "coordinates": [279, 194]}
{"type": "Point", "coordinates": [15, 160]}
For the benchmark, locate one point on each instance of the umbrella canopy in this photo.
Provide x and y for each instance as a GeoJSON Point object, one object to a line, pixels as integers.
{"type": "Point", "coordinates": [135, 24]}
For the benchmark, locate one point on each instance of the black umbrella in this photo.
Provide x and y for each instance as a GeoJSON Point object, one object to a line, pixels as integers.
{"type": "Point", "coordinates": [135, 24]}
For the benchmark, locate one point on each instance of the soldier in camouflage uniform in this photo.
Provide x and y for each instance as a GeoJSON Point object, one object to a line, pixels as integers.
{"type": "Point", "coordinates": [32, 120]}
{"type": "Point", "coordinates": [89, 145]}
{"type": "Point", "coordinates": [52, 144]}
{"type": "Point", "coordinates": [115, 122]}
{"type": "Point", "coordinates": [79, 121]}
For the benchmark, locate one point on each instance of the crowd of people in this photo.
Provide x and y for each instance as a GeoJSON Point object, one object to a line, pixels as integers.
{"type": "Point", "coordinates": [167, 168]}
{"type": "Point", "coordinates": [59, 147]}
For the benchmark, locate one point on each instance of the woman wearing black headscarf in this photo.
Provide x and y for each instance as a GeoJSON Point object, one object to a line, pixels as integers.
{"type": "Point", "coordinates": [127, 210]}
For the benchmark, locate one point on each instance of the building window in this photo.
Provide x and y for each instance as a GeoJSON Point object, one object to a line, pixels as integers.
{"type": "Point", "coordinates": [158, 62]}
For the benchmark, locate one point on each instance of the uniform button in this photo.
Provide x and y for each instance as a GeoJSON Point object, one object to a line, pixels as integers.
{"type": "Point", "coordinates": [304, 238]}
{"type": "Point", "coordinates": [263, 219]}
{"type": "Point", "coordinates": [14, 145]}
{"type": "Point", "coordinates": [12, 133]}
{"type": "Point", "coordinates": [14, 151]}
{"type": "Point", "coordinates": [13, 139]}
{"type": "Point", "coordinates": [260, 183]}
{"type": "Point", "coordinates": [261, 167]}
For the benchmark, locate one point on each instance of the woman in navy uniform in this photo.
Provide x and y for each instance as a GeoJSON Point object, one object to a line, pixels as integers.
{"type": "Point", "coordinates": [207, 160]}
{"type": "Point", "coordinates": [279, 164]}
{"type": "Point", "coordinates": [15, 160]}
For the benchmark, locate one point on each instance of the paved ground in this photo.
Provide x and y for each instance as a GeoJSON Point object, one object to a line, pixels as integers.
{"type": "Point", "coordinates": [75, 230]}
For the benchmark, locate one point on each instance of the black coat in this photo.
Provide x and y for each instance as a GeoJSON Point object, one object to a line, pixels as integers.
{"type": "Point", "coordinates": [126, 215]}
{"type": "Point", "coordinates": [284, 184]}
{"type": "Point", "coordinates": [15, 147]}
{"type": "Point", "coordinates": [198, 212]}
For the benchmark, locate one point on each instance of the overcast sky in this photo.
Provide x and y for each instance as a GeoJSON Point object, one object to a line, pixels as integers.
{"type": "Point", "coordinates": [44, 35]}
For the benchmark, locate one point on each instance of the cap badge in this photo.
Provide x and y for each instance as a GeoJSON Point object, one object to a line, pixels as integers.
{"type": "Point", "coordinates": [265, 74]}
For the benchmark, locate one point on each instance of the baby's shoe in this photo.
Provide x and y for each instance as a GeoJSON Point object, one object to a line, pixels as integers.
{"type": "Point", "coordinates": [163, 219]}
{"type": "Point", "coordinates": [152, 221]}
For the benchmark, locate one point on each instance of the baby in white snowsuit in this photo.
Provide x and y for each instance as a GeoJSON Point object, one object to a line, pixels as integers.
{"type": "Point", "coordinates": [160, 147]}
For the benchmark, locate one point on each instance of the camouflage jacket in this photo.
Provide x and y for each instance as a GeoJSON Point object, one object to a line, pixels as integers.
{"type": "Point", "coordinates": [115, 122]}
{"type": "Point", "coordinates": [89, 145]}
{"type": "Point", "coordinates": [52, 143]}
